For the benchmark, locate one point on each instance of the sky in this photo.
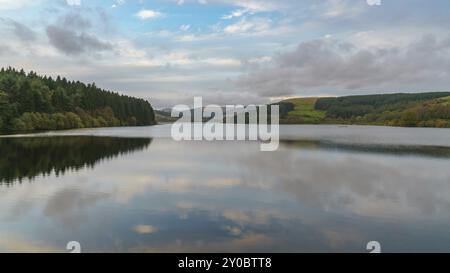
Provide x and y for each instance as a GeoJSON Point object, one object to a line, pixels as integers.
{"type": "Point", "coordinates": [232, 51]}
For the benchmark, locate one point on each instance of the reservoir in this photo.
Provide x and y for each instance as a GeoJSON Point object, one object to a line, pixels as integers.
{"type": "Point", "coordinates": [326, 189]}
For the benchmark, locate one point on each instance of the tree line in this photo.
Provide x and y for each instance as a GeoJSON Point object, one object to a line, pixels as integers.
{"type": "Point", "coordinates": [31, 102]}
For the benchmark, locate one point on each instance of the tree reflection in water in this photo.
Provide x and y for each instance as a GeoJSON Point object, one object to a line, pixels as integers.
{"type": "Point", "coordinates": [28, 157]}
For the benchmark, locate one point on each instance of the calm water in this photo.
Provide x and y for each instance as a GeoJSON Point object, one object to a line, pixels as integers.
{"type": "Point", "coordinates": [327, 189]}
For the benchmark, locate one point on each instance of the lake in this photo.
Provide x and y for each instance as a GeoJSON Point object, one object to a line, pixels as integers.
{"type": "Point", "coordinates": [326, 189]}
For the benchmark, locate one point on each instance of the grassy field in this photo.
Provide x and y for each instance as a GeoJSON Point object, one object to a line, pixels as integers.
{"type": "Point", "coordinates": [304, 112]}
{"type": "Point", "coordinates": [444, 101]}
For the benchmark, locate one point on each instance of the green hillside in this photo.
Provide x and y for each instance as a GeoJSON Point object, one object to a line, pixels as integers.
{"type": "Point", "coordinates": [408, 110]}
{"type": "Point", "coordinates": [303, 111]}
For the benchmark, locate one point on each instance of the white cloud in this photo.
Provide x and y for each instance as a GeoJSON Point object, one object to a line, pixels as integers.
{"type": "Point", "coordinates": [380, 40]}
{"type": "Point", "coordinates": [118, 3]}
{"type": "Point", "coordinates": [185, 27]}
{"type": "Point", "coordinates": [16, 4]}
{"type": "Point", "coordinates": [196, 37]}
{"type": "Point", "coordinates": [222, 61]}
{"type": "Point", "coordinates": [236, 13]}
{"type": "Point", "coordinates": [259, 60]}
{"type": "Point", "coordinates": [146, 14]}
{"type": "Point", "coordinates": [339, 8]}
{"type": "Point", "coordinates": [254, 26]}
{"type": "Point", "coordinates": [73, 2]}
{"type": "Point", "coordinates": [251, 5]}
{"type": "Point", "coordinates": [374, 2]}
{"type": "Point", "coordinates": [256, 5]}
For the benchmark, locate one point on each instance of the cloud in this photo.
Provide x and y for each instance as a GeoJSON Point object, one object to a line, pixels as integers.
{"type": "Point", "coordinates": [236, 13]}
{"type": "Point", "coordinates": [250, 5]}
{"type": "Point", "coordinates": [342, 8]}
{"type": "Point", "coordinates": [21, 31]}
{"type": "Point", "coordinates": [118, 3]}
{"type": "Point", "coordinates": [374, 2]}
{"type": "Point", "coordinates": [249, 26]}
{"type": "Point", "coordinates": [5, 50]}
{"type": "Point", "coordinates": [146, 14]}
{"type": "Point", "coordinates": [255, 5]}
{"type": "Point", "coordinates": [332, 64]}
{"type": "Point", "coordinates": [222, 61]}
{"type": "Point", "coordinates": [185, 27]}
{"type": "Point", "coordinates": [75, 21]}
{"type": "Point", "coordinates": [230, 60]}
{"type": "Point", "coordinates": [73, 43]}
{"type": "Point", "coordinates": [16, 4]}
{"type": "Point", "coordinates": [73, 2]}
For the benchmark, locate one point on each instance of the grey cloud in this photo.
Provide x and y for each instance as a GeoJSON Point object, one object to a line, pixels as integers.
{"type": "Point", "coordinates": [21, 31]}
{"type": "Point", "coordinates": [72, 43]}
{"type": "Point", "coordinates": [330, 64]}
{"type": "Point", "coordinates": [5, 50]}
{"type": "Point", "coordinates": [95, 19]}
{"type": "Point", "coordinates": [75, 21]}
{"type": "Point", "coordinates": [73, 32]}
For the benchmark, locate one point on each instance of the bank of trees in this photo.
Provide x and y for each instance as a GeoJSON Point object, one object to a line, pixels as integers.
{"type": "Point", "coordinates": [354, 106]}
{"type": "Point", "coordinates": [30, 102]}
{"type": "Point", "coordinates": [408, 110]}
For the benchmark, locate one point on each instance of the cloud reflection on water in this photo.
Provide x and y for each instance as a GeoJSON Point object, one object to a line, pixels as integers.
{"type": "Point", "coordinates": [228, 197]}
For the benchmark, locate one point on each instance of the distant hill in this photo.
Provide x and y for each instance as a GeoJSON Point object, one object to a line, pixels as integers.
{"type": "Point", "coordinates": [408, 110]}
{"type": "Point", "coordinates": [164, 116]}
{"type": "Point", "coordinates": [29, 102]}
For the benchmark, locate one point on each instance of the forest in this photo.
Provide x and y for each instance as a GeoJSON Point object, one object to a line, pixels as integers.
{"type": "Point", "coordinates": [408, 110]}
{"type": "Point", "coordinates": [401, 109]}
{"type": "Point", "coordinates": [29, 102]}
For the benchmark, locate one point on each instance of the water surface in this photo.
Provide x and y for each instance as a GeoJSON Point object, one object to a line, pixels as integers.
{"type": "Point", "coordinates": [327, 189]}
